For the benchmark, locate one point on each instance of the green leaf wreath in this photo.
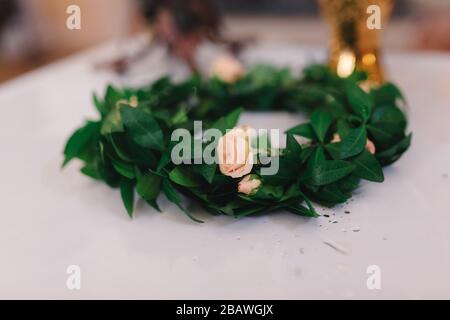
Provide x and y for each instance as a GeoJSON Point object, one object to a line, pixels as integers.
{"type": "Point", "coordinates": [130, 148]}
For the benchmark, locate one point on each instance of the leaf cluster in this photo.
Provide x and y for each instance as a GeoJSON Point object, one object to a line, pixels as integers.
{"type": "Point", "coordinates": [129, 146]}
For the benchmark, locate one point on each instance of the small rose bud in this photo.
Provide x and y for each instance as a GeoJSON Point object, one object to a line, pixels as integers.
{"type": "Point", "coordinates": [336, 138]}
{"type": "Point", "coordinates": [227, 68]}
{"type": "Point", "coordinates": [370, 146]}
{"type": "Point", "coordinates": [249, 185]}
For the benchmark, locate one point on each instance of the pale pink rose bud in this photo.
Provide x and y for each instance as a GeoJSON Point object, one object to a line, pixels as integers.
{"type": "Point", "coordinates": [249, 185]}
{"type": "Point", "coordinates": [370, 146]}
{"type": "Point", "coordinates": [368, 85]}
{"type": "Point", "coordinates": [336, 138]}
{"type": "Point", "coordinates": [235, 153]}
{"type": "Point", "coordinates": [227, 68]}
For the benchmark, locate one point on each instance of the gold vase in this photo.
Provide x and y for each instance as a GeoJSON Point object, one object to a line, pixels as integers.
{"type": "Point", "coordinates": [353, 44]}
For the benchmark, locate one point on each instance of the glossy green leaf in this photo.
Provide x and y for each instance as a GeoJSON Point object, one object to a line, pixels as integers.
{"type": "Point", "coordinates": [317, 157]}
{"type": "Point", "coordinates": [392, 154]}
{"type": "Point", "coordinates": [327, 172]}
{"type": "Point", "coordinates": [320, 122]}
{"type": "Point", "coordinates": [293, 151]}
{"type": "Point", "coordinates": [172, 195]}
{"type": "Point", "coordinates": [229, 121]}
{"type": "Point", "coordinates": [80, 140]}
{"type": "Point", "coordinates": [331, 195]}
{"type": "Point", "coordinates": [142, 128]}
{"type": "Point", "coordinates": [127, 193]}
{"type": "Point", "coordinates": [207, 171]}
{"type": "Point", "coordinates": [184, 177]}
{"type": "Point", "coordinates": [148, 187]}
{"type": "Point", "coordinates": [368, 168]}
{"type": "Point", "coordinates": [124, 169]}
{"type": "Point", "coordinates": [301, 211]}
{"type": "Point", "coordinates": [360, 101]}
{"type": "Point", "coordinates": [353, 143]}
{"type": "Point", "coordinates": [303, 130]}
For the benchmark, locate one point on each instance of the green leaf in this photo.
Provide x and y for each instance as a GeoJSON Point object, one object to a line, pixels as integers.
{"type": "Point", "coordinates": [389, 116]}
{"type": "Point", "coordinates": [118, 148]}
{"type": "Point", "coordinates": [334, 150]}
{"type": "Point", "coordinates": [124, 169]}
{"type": "Point", "coordinates": [143, 157]}
{"type": "Point", "coordinates": [301, 211]}
{"type": "Point", "coordinates": [353, 143]}
{"type": "Point", "coordinates": [164, 160]}
{"type": "Point", "coordinates": [207, 171]}
{"type": "Point", "coordinates": [381, 137]}
{"type": "Point", "coordinates": [327, 172]}
{"type": "Point", "coordinates": [331, 195]}
{"type": "Point", "coordinates": [182, 176]}
{"type": "Point", "coordinates": [309, 204]}
{"type": "Point", "coordinates": [293, 151]}
{"type": "Point", "coordinates": [343, 128]}
{"type": "Point", "coordinates": [229, 121]}
{"type": "Point", "coordinates": [172, 195]}
{"type": "Point", "coordinates": [306, 153]}
{"type": "Point", "coordinates": [148, 187]}
{"type": "Point", "coordinates": [368, 168]}
{"type": "Point", "coordinates": [112, 122]}
{"type": "Point", "coordinates": [142, 128]}
{"type": "Point", "coordinates": [349, 183]}
{"type": "Point", "coordinates": [92, 171]}
{"type": "Point", "coordinates": [268, 192]}
{"type": "Point", "coordinates": [81, 140]}
{"type": "Point", "coordinates": [360, 101]}
{"type": "Point", "coordinates": [317, 157]}
{"type": "Point", "coordinates": [320, 122]}
{"type": "Point", "coordinates": [303, 130]}
{"type": "Point", "coordinates": [392, 154]}
{"type": "Point", "coordinates": [127, 193]}
{"type": "Point", "coordinates": [112, 95]}
{"type": "Point", "coordinates": [99, 105]}
{"type": "Point", "coordinates": [388, 93]}
{"type": "Point", "coordinates": [180, 117]}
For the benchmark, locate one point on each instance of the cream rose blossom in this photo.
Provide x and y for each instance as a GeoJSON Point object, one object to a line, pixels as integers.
{"type": "Point", "coordinates": [235, 154]}
{"type": "Point", "coordinates": [370, 146]}
{"type": "Point", "coordinates": [227, 68]}
{"type": "Point", "coordinates": [249, 185]}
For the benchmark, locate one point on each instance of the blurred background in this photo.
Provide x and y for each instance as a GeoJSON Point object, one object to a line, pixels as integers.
{"type": "Point", "coordinates": [34, 33]}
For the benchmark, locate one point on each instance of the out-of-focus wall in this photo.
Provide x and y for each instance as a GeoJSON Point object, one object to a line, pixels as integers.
{"type": "Point", "coordinates": [40, 34]}
{"type": "Point", "coordinates": [101, 20]}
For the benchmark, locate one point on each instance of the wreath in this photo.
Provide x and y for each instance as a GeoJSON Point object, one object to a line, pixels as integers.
{"type": "Point", "coordinates": [351, 135]}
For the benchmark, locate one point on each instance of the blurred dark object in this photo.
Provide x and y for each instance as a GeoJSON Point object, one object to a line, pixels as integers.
{"type": "Point", "coordinates": [8, 10]}
{"type": "Point", "coordinates": [181, 25]}
{"type": "Point", "coordinates": [189, 16]}
{"type": "Point", "coordinates": [282, 7]}
{"type": "Point", "coordinates": [286, 7]}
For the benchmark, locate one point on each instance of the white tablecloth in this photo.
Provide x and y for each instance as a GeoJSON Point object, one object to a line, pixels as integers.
{"type": "Point", "coordinates": [51, 219]}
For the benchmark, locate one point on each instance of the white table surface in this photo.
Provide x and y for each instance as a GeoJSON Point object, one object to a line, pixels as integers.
{"type": "Point", "coordinates": [50, 219]}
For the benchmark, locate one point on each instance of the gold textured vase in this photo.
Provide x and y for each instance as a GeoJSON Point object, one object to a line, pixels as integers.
{"type": "Point", "coordinates": [353, 44]}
